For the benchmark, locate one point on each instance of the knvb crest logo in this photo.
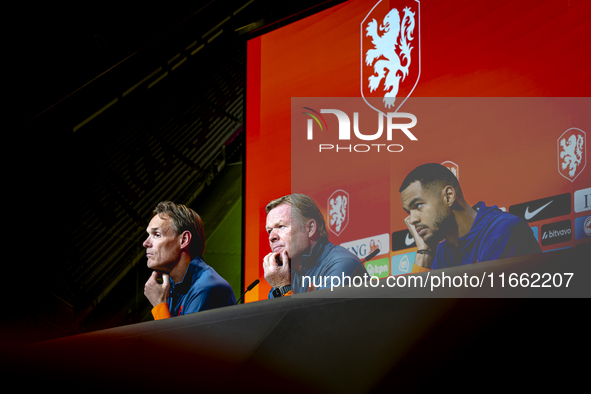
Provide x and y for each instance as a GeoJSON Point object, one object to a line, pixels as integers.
{"type": "Point", "coordinates": [453, 167]}
{"type": "Point", "coordinates": [338, 211]}
{"type": "Point", "coordinates": [390, 53]}
{"type": "Point", "coordinates": [572, 153]}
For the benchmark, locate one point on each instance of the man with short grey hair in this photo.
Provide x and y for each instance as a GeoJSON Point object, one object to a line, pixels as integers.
{"type": "Point", "coordinates": [300, 248]}
{"type": "Point", "coordinates": [181, 282]}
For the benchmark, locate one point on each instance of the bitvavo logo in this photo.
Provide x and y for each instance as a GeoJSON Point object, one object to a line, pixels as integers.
{"type": "Point", "coordinates": [390, 122]}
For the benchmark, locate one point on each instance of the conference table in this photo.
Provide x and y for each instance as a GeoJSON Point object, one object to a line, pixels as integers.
{"type": "Point", "coordinates": [407, 334]}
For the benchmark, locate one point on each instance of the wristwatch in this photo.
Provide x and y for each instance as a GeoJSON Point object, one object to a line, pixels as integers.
{"type": "Point", "coordinates": [280, 291]}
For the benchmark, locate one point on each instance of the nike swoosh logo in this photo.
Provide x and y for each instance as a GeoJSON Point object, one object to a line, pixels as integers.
{"type": "Point", "coordinates": [528, 215]}
{"type": "Point", "coordinates": [409, 241]}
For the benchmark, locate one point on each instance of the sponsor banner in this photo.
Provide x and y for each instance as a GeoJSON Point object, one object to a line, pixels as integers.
{"type": "Point", "coordinates": [378, 268]}
{"type": "Point", "coordinates": [583, 200]}
{"type": "Point", "coordinates": [543, 208]}
{"type": "Point", "coordinates": [535, 231]}
{"type": "Point", "coordinates": [555, 233]}
{"type": "Point", "coordinates": [583, 227]}
{"type": "Point", "coordinates": [348, 128]}
{"type": "Point", "coordinates": [402, 263]}
{"type": "Point", "coordinates": [402, 240]}
{"type": "Point", "coordinates": [363, 247]}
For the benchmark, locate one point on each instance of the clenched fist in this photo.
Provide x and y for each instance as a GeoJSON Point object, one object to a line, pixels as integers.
{"type": "Point", "coordinates": [277, 275]}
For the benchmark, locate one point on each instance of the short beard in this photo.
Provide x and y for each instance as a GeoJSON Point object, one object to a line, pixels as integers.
{"type": "Point", "coordinates": [444, 223]}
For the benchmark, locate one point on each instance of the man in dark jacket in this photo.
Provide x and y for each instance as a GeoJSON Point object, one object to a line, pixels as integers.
{"type": "Point", "coordinates": [433, 198]}
{"type": "Point", "coordinates": [301, 256]}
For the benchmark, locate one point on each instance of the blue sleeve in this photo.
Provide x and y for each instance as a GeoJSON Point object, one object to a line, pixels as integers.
{"type": "Point", "coordinates": [214, 295]}
{"type": "Point", "coordinates": [344, 265]}
{"type": "Point", "coordinates": [347, 264]}
{"type": "Point", "coordinates": [514, 238]}
{"type": "Point", "coordinates": [439, 257]}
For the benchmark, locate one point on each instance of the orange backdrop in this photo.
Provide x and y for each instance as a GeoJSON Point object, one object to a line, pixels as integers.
{"type": "Point", "coordinates": [499, 83]}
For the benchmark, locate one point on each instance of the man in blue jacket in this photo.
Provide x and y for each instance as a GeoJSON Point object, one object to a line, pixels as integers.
{"type": "Point", "coordinates": [434, 200]}
{"type": "Point", "coordinates": [181, 282]}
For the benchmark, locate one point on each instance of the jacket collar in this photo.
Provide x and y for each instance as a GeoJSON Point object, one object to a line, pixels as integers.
{"type": "Point", "coordinates": [191, 275]}
{"type": "Point", "coordinates": [310, 259]}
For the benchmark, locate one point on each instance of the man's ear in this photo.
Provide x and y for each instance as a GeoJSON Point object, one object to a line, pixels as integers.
{"type": "Point", "coordinates": [449, 195]}
{"type": "Point", "coordinates": [185, 239]}
{"type": "Point", "coordinates": [312, 228]}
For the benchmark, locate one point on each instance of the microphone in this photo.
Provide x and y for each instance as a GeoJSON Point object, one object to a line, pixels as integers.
{"type": "Point", "coordinates": [371, 255]}
{"type": "Point", "coordinates": [252, 285]}
{"type": "Point", "coordinates": [249, 288]}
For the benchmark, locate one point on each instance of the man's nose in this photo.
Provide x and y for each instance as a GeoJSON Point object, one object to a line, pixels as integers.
{"type": "Point", "coordinates": [147, 243]}
{"type": "Point", "coordinates": [273, 235]}
{"type": "Point", "coordinates": [414, 218]}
